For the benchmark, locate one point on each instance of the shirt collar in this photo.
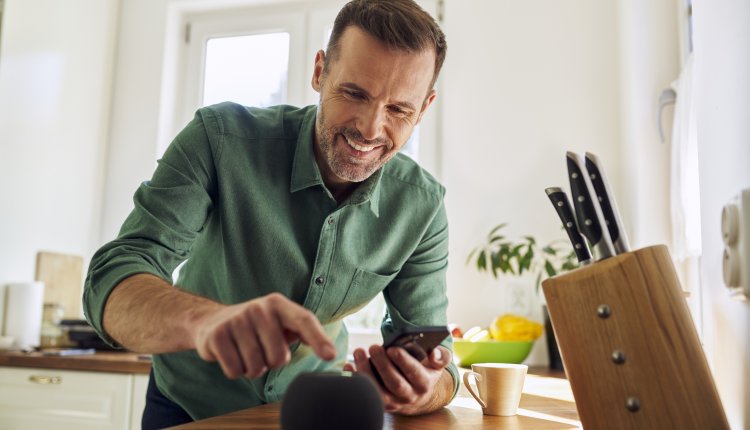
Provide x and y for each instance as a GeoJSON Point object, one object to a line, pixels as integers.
{"type": "Point", "coordinates": [305, 171]}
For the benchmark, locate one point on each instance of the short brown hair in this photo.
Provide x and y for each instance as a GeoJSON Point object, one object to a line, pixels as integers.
{"type": "Point", "coordinates": [399, 24]}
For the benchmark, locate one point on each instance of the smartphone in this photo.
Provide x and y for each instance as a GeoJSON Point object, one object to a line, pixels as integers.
{"type": "Point", "coordinates": [417, 341]}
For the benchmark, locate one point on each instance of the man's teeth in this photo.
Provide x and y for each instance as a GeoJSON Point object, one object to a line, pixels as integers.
{"type": "Point", "coordinates": [359, 147]}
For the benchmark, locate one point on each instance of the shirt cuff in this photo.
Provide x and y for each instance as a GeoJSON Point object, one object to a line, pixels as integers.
{"type": "Point", "coordinates": [453, 370]}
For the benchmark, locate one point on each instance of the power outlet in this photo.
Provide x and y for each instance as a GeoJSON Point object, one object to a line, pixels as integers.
{"type": "Point", "coordinates": [518, 297]}
{"type": "Point", "coordinates": [735, 231]}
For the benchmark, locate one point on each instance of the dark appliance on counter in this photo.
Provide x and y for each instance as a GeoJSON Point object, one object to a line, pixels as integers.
{"type": "Point", "coordinates": [82, 335]}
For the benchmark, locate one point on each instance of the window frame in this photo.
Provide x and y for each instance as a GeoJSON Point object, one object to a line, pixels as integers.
{"type": "Point", "coordinates": [213, 25]}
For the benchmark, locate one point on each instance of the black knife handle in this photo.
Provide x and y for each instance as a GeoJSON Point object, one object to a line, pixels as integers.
{"type": "Point", "coordinates": [590, 222]}
{"type": "Point", "coordinates": [585, 212]}
{"type": "Point", "coordinates": [564, 210]}
{"type": "Point", "coordinates": [604, 199]}
{"type": "Point", "coordinates": [607, 203]}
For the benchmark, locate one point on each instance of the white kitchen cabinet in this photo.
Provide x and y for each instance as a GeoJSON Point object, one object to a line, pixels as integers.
{"type": "Point", "coordinates": [32, 398]}
{"type": "Point", "coordinates": [140, 384]}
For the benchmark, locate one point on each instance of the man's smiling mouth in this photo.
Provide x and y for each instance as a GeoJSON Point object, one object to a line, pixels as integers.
{"type": "Point", "coordinates": [358, 147]}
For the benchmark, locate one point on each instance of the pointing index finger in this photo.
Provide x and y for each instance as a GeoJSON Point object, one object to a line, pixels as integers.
{"type": "Point", "coordinates": [306, 325]}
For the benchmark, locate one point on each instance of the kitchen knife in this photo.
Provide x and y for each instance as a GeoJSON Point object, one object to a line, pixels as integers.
{"type": "Point", "coordinates": [588, 213]}
{"type": "Point", "coordinates": [607, 203]}
{"type": "Point", "coordinates": [564, 210]}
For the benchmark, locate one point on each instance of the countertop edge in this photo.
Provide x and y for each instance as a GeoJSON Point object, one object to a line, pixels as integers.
{"type": "Point", "coordinates": [115, 362]}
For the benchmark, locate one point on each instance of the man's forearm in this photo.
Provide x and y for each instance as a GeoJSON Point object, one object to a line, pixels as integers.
{"type": "Point", "coordinates": [146, 314]}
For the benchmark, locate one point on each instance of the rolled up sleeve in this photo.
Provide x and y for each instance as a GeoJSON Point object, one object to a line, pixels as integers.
{"type": "Point", "coordinates": [169, 213]}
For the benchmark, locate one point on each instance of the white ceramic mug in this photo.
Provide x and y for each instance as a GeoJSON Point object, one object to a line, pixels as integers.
{"type": "Point", "coordinates": [499, 386]}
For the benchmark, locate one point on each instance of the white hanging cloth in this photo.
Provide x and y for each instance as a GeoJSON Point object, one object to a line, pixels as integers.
{"type": "Point", "coordinates": [685, 191]}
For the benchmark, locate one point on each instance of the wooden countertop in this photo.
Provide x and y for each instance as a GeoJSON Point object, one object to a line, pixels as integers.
{"type": "Point", "coordinates": [546, 403]}
{"type": "Point", "coordinates": [101, 361]}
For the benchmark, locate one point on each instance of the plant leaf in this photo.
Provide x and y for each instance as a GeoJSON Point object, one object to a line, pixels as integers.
{"type": "Point", "coordinates": [496, 228]}
{"type": "Point", "coordinates": [471, 255]}
{"type": "Point", "coordinates": [527, 258]}
{"type": "Point", "coordinates": [505, 265]}
{"type": "Point", "coordinates": [549, 268]}
{"type": "Point", "coordinates": [498, 238]}
{"type": "Point", "coordinates": [482, 261]}
{"type": "Point", "coordinates": [495, 260]}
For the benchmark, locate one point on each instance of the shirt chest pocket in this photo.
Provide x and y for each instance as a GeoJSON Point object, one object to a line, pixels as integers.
{"type": "Point", "coordinates": [363, 288]}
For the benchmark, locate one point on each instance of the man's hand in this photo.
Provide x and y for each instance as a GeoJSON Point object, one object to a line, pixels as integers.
{"type": "Point", "coordinates": [248, 339]}
{"type": "Point", "coordinates": [409, 387]}
{"type": "Point", "coordinates": [146, 314]}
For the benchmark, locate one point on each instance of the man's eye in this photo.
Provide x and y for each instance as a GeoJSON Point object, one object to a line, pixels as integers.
{"type": "Point", "coordinates": [398, 111]}
{"type": "Point", "coordinates": [354, 95]}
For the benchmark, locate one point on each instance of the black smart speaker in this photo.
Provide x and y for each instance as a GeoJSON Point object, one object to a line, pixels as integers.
{"type": "Point", "coordinates": [332, 401]}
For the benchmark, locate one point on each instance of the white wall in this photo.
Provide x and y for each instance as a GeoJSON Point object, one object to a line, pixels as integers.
{"type": "Point", "coordinates": [55, 79]}
{"type": "Point", "coordinates": [135, 108]}
{"type": "Point", "coordinates": [722, 72]}
{"type": "Point", "coordinates": [524, 82]}
{"type": "Point", "coordinates": [650, 59]}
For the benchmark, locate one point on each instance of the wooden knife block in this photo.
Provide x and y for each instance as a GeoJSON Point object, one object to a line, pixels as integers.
{"type": "Point", "coordinates": [629, 346]}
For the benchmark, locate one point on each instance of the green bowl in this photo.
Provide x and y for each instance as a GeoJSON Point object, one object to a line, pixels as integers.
{"type": "Point", "coordinates": [491, 351]}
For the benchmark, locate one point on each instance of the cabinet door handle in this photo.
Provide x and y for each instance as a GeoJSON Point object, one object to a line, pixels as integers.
{"type": "Point", "coordinates": [45, 380]}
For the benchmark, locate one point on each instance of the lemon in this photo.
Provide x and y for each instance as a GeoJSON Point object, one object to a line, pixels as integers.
{"type": "Point", "coordinates": [514, 327]}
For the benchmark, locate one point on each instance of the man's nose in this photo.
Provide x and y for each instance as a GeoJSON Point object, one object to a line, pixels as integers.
{"type": "Point", "coordinates": [370, 122]}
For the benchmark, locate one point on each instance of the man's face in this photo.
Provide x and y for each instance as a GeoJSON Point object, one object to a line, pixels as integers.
{"type": "Point", "coordinates": [371, 97]}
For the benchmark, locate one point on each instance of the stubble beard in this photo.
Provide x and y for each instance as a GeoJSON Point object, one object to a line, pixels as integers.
{"type": "Point", "coordinates": [342, 165]}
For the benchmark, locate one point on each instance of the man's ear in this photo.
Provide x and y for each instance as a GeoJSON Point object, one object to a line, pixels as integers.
{"type": "Point", "coordinates": [427, 102]}
{"type": "Point", "coordinates": [320, 59]}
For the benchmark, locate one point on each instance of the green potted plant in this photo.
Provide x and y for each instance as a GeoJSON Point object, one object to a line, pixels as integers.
{"type": "Point", "coordinates": [501, 256]}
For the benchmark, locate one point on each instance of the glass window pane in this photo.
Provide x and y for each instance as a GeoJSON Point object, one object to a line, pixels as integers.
{"type": "Point", "coordinates": [250, 70]}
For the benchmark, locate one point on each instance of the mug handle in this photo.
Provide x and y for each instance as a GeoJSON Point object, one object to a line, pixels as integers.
{"type": "Point", "coordinates": [478, 379]}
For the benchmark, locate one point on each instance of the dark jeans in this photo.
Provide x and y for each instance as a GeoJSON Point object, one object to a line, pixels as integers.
{"type": "Point", "coordinates": [160, 412]}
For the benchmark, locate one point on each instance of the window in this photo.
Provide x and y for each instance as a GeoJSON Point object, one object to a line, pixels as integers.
{"type": "Point", "coordinates": [253, 57]}
{"type": "Point", "coordinates": [232, 70]}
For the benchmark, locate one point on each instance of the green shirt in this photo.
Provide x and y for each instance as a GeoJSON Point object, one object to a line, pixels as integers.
{"type": "Point", "coordinates": [238, 194]}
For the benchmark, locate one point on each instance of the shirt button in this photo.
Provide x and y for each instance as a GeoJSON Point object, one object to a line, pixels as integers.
{"type": "Point", "coordinates": [319, 280]}
{"type": "Point", "coordinates": [270, 388]}
{"type": "Point", "coordinates": [330, 220]}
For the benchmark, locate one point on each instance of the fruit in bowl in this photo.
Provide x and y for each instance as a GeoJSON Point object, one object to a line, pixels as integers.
{"type": "Point", "coordinates": [508, 340]}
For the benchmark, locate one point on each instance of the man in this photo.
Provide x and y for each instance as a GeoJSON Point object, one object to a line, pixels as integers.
{"type": "Point", "coordinates": [289, 219]}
